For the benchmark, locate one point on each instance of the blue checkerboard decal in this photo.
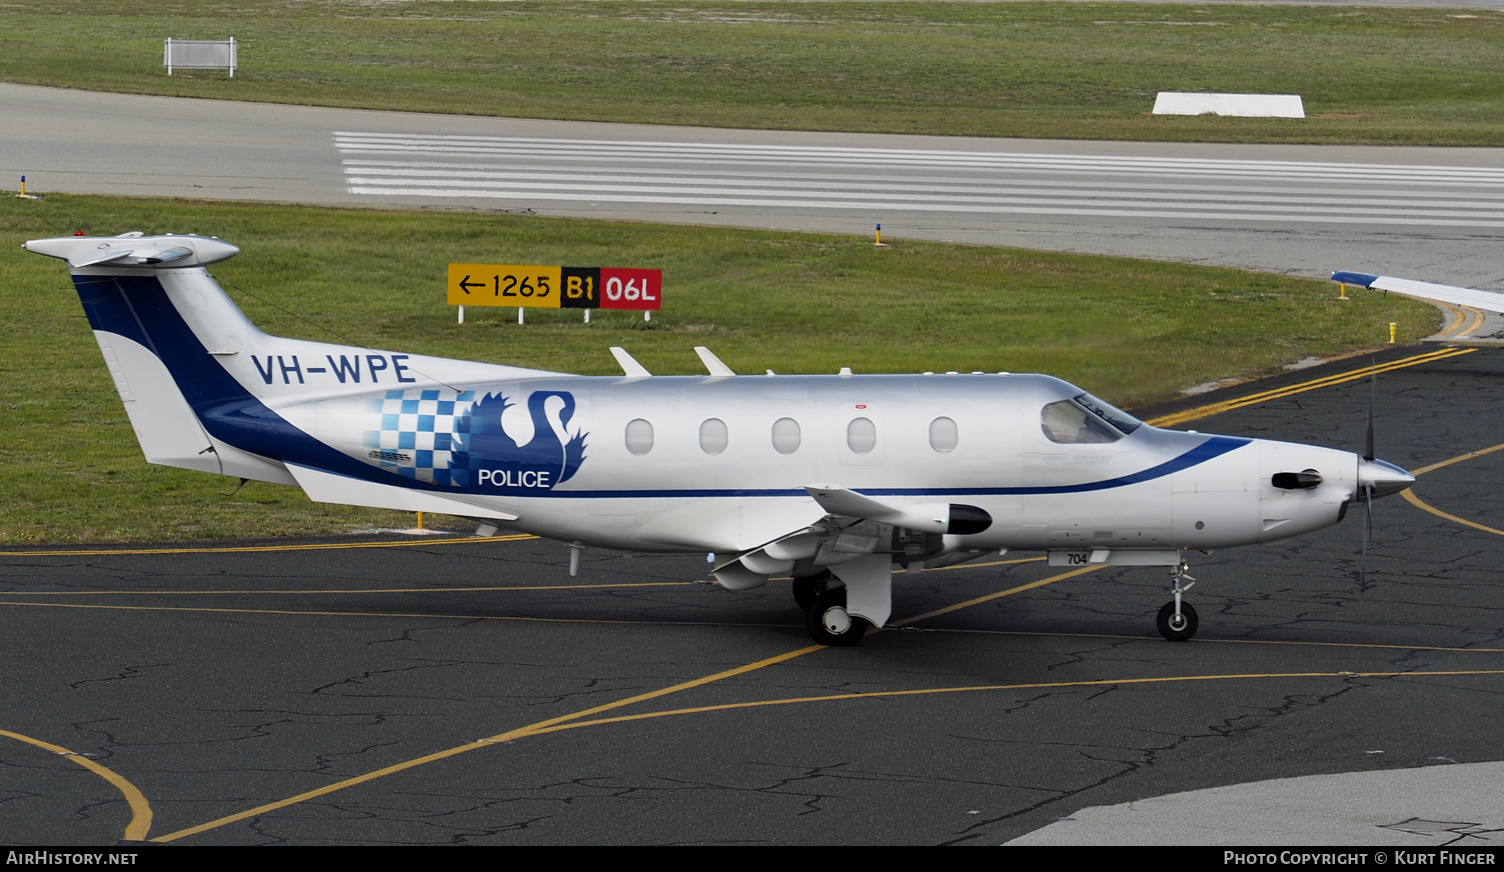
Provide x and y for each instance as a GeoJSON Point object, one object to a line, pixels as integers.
{"type": "Point", "coordinates": [419, 432]}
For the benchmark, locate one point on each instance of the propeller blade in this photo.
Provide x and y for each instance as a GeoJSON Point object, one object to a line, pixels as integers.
{"type": "Point", "coordinates": [1373, 379]}
{"type": "Point", "coordinates": [1367, 533]}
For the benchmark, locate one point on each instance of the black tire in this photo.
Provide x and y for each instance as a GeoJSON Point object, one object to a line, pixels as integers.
{"type": "Point", "coordinates": [838, 636]}
{"type": "Point", "coordinates": [809, 588]}
{"type": "Point", "coordinates": [1182, 630]}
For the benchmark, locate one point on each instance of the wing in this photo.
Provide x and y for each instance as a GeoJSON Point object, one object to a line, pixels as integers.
{"type": "Point", "coordinates": [926, 518]}
{"type": "Point", "coordinates": [855, 526]}
{"type": "Point", "coordinates": [1485, 300]}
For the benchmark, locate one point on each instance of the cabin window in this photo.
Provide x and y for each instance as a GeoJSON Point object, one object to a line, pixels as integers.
{"type": "Point", "coordinates": [786, 435]}
{"type": "Point", "coordinates": [713, 436]}
{"type": "Point", "coordinates": [1071, 424]}
{"type": "Point", "coordinates": [944, 435]}
{"type": "Point", "coordinates": [639, 436]}
{"type": "Point", "coordinates": [861, 435]}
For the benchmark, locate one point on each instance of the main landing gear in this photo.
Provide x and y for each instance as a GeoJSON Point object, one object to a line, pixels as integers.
{"type": "Point", "coordinates": [808, 588]}
{"type": "Point", "coordinates": [825, 611]}
{"type": "Point", "coordinates": [1177, 620]}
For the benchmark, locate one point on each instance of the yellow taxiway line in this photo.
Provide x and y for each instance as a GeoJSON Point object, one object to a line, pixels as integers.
{"type": "Point", "coordinates": [545, 725]}
{"type": "Point", "coordinates": [1478, 317]}
{"type": "Point", "coordinates": [1314, 384]}
{"type": "Point", "coordinates": [1412, 499]}
{"type": "Point", "coordinates": [140, 809]}
{"type": "Point", "coordinates": [361, 591]}
{"type": "Point", "coordinates": [980, 688]}
{"type": "Point", "coordinates": [1465, 320]}
{"type": "Point", "coordinates": [257, 549]}
{"type": "Point", "coordinates": [574, 721]}
{"type": "Point", "coordinates": [485, 743]}
{"type": "Point", "coordinates": [1458, 459]}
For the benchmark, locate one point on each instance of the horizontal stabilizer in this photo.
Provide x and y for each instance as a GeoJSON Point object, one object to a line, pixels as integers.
{"type": "Point", "coordinates": [134, 250]}
{"type": "Point", "coordinates": [327, 487]}
{"type": "Point", "coordinates": [138, 257]}
{"type": "Point", "coordinates": [1485, 300]}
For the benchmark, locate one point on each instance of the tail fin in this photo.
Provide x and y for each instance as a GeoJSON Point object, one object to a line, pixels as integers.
{"type": "Point", "coordinates": [206, 390]}
{"type": "Point", "coordinates": [124, 283]}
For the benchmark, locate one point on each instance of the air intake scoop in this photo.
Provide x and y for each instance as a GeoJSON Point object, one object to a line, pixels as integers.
{"type": "Point", "coordinates": [1304, 480]}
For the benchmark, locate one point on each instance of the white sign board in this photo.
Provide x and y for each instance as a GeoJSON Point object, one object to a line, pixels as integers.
{"type": "Point", "coordinates": [200, 54]}
{"type": "Point", "coordinates": [1243, 105]}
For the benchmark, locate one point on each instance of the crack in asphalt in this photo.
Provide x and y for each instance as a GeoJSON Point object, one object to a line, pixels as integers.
{"type": "Point", "coordinates": [126, 674]}
{"type": "Point", "coordinates": [1149, 757]}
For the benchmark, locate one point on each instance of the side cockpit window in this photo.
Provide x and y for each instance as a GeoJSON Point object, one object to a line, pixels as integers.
{"type": "Point", "coordinates": [1084, 420]}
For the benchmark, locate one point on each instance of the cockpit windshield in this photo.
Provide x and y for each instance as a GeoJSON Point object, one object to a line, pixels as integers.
{"type": "Point", "coordinates": [1110, 413]}
{"type": "Point", "coordinates": [1085, 420]}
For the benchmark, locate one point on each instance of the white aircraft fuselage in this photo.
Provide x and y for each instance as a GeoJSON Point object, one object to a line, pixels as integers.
{"type": "Point", "coordinates": [829, 479]}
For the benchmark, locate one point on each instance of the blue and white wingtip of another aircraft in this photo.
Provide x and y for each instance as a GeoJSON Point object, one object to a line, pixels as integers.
{"type": "Point", "coordinates": [1485, 300]}
{"type": "Point", "coordinates": [1354, 278]}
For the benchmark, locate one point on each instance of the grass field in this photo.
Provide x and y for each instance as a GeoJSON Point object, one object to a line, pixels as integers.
{"type": "Point", "coordinates": [1071, 70]}
{"type": "Point", "coordinates": [1133, 331]}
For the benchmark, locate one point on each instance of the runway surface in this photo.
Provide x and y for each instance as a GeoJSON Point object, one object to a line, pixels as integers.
{"type": "Point", "coordinates": [1430, 214]}
{"type": "Point", "coordinates": [424, 692]}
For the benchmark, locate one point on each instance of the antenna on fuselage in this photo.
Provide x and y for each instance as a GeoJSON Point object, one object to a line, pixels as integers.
{"type": "Point", "coordinates": [712, 363]}
{"type": "Point", "coordinates": [629, 365]}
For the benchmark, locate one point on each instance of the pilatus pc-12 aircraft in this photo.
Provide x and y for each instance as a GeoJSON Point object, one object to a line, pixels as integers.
{"type": "Point", "coordinates": [828, 479]}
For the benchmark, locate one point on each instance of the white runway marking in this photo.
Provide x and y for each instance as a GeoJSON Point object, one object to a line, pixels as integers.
{"type": "Point", "coordinates": [919, 181]}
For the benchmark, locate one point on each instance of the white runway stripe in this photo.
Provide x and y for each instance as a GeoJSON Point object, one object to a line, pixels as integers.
{"type": "Point", "coordinates": [688, 176]}
{"type": "Point", "coordinates": [367, 175]}
{"type": "Point", "coordinates": [675, 152]}
{"type": "Point", "coordinates": [797, 177]}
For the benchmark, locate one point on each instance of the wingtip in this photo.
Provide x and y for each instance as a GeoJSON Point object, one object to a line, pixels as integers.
{"type": "Point", "coordinates": [1348, 277]}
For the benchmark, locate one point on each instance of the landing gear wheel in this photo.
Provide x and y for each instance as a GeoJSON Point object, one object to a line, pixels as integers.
{"type": "Point", "coordinates": [1176, 628]}
{"type": "Point", "coordinates": [830, 624]}
{"type": "Point", "coordinates": [809, 588]}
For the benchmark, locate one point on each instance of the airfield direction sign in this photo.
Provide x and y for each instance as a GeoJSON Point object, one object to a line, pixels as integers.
{"type": "Point", "coordinates": [555, 287]}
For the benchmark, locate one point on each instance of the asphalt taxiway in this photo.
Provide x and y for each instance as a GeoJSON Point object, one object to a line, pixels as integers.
{"type": "Point", "coordinates": [453, 690]}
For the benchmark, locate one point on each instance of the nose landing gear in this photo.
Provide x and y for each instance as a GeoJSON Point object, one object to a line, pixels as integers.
{"type": "Point", "coordinates": [1177, 620]}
